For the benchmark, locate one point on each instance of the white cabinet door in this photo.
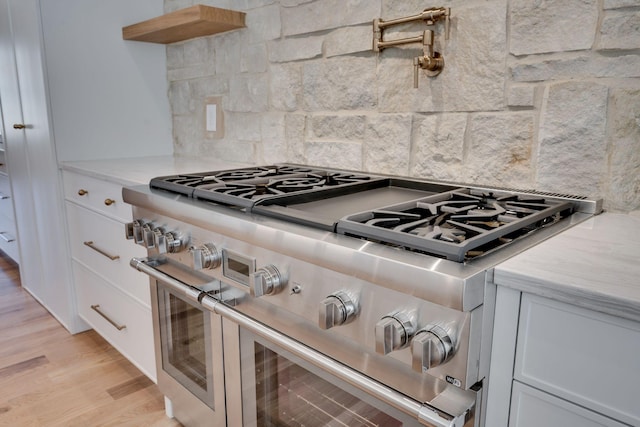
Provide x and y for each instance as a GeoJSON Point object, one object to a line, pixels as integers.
{"type": "Point", "coordinates": [48, 250]}
{"type": "Point", "coordinates": [45, 267]}
{"type": "Point", "coordinates": [589, 358]}
{"type": "Point", "coordinates": [12, 114]}
{"type": "Point", "coordinates": [533, 408]}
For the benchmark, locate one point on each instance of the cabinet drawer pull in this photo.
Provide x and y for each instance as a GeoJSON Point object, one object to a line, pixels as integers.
{"type": "Point", "coordinates": [4, 235]}
{"type": "Point", "coordinates": [3, 196]}
{"type": "Point", "coordinates": [109, 202]}
{"type": "Point", "coordinates": [96, 308]}
{"type": "Point", "coordinates": [19, 126]}
{"type": "Point", "coordinates": [82, 192]}
{"type": "Point", "coordinates": [100, 251]}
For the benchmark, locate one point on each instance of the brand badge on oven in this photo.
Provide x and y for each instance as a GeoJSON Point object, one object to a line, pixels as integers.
{"type": "Point", "coordinates": [456, 382]}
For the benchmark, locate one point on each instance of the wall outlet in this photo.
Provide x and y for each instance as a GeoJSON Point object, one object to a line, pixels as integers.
{"type": "Point", "coordinates": [213, 118]}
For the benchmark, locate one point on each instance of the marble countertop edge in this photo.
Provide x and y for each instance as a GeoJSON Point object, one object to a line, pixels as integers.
{"type": "Point", "coordinates": [140, 170]}
{"type": "Point", "coordinates": [594, 298]}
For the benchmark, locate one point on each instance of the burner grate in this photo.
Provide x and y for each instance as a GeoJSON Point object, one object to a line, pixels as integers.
{"type": "Point", "coordinates": [456, 225]}
{"type": "Point", "coordinates": [454, 222]}
{"type": "Point", "coordinates": [251, 186]}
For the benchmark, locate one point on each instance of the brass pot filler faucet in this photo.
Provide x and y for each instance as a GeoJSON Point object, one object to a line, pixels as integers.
{"type": "Point", "coordinates": [430, 61]}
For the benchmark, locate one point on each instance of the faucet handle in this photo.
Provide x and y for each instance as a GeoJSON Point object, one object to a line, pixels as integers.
{"type": "Point", "coordinates": [416, 69]}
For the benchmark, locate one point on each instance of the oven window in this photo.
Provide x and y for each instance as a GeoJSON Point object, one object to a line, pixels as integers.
{"type": "Point", "coordinates": [288, 395]}
{"type": "Point", "coordinates": [188, 357]}
{"type": "Point", "coordinates": [187, 351]}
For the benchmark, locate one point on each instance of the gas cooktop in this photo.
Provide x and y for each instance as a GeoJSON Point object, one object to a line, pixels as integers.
{"type": "Point", "coordinates": [245, 187]}
{"type": "Point", "coordinates": [451, 221]}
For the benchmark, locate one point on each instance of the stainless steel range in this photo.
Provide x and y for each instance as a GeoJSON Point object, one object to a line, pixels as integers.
{"type": "Point", "coordinates": [292, 295]}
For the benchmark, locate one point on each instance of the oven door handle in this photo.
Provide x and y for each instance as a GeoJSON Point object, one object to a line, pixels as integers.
{"type": "Point", "coordinates": [145, 265]}
{"type": "Point", "coordinates": [426, 412]}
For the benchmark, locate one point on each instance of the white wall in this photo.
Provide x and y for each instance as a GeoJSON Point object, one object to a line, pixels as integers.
{"type": "Point", "coordinates": [541, 95]}
{"type": "Point", "coordinates": [108, 96]}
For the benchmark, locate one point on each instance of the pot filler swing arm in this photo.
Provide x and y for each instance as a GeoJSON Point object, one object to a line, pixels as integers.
{"type": "Point", "coordinates": [430, 61]}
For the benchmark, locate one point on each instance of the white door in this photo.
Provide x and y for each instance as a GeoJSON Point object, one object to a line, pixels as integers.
{"type": "Point", "coordinates": [32, 163]}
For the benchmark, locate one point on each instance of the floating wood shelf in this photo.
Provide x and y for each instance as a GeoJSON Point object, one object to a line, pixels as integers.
{"type": "Point", "coordinates": [194, 21]}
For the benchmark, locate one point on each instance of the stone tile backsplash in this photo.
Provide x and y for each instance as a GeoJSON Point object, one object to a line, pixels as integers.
{"type": "Point", "coordinates": [542, 95]}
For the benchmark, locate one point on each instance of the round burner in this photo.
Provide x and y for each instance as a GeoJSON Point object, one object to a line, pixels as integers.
{"type": "Point", "coordinates": [294, 169]}
{"type": "Point", "coordinates": [240, 174]}
{"type": "Point", "coordinates": [245, 191]}
{"type": "Point", "coordinates": [336, 178]}
{"type": "Point", "coordinates": [288, 185]}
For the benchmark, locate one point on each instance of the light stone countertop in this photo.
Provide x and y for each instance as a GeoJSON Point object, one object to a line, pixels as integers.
{"type": "Point", "coordinates": [595, 264]}
{"type": "Point", "coordinates": [140, 170]}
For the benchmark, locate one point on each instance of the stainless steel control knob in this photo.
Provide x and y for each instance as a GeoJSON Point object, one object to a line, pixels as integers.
{"type": "Point", "coordinates": [394, 332]}
{"type": "Point", "coordinates": [431, 346]}
{"type": "Point", "coordinates": [266, 281]}
{"type": "Point", "coordinates": [173, 243]}
{"type": "Point", "coordinates": [205, 257]}
{"type": "Point", "coordinates": [128, 229]}
{"type": "Point", "coordinates": [148, 240]}
{"type": "Point", "coordinates": [336, 309]}
{"type": "Point", "coordinates": [134, 231]}
{"type": "Point", "coordinates": [158, 239]}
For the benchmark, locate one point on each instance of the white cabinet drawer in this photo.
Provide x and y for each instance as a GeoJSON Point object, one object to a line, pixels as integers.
{"type": "Point", "coordinates": [6, 200]}
{"type": "Point", "coordinates": [96, 241]}
{"type": "Point", "coordinates": [586, 357]}
{"type": "Point", "coordinates": [112, 310]}
{"type": "Point", "coordinates": [103, 196]}
{"type": "Point", "coordinates": [534, 408]}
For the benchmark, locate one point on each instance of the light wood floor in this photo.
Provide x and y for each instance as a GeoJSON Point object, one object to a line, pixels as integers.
{"type": "Point", "coordinates": [51, 378]}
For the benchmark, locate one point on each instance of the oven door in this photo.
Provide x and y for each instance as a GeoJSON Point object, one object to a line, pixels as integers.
{"type": "Point", "coordinates": [189, 356]}
{"type": "Point", "coordinates": [274, 380]}
{"type": "Point", "coordinates": [281, 389]}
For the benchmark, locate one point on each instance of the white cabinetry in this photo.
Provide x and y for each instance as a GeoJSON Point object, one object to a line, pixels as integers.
{"type": "Point", "coordinates": [531, 407]}
{"type": "Point", "coordinates": [75, 90]}
{"type": "Point", "coordinates": [562, 365]}
{"type": "Point", "coordinates": [31, 162]}
{"type": "Point", "coordinates": [8, 235]}
{"type": "Point", "coordinates": [112, 297]}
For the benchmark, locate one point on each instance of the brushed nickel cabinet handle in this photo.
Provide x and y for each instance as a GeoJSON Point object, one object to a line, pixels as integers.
{"type": "Point", "coordinates": [19, 126]}
{"type": "Point", "coordinates": [82, 192]}
{"type": "Point", "coordinates": [96, 308]}
{"type": "Point", "coordinates": [109, 202]}
{"type": "Point", "coordinates": [100, 251]}
{"type": "Point", "coordinates": [3, 196]}
{"type": "Point", "coordinates": [4, 235]}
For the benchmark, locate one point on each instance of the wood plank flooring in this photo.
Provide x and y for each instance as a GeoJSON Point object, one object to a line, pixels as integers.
{"type": "Point", "coordinates": [49, 377]}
